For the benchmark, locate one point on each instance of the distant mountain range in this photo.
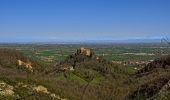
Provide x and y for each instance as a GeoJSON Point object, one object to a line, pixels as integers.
{"type": "Point", "coordinates": [125, 41]}
{"type": "Point", "coordinates": [91, 41]}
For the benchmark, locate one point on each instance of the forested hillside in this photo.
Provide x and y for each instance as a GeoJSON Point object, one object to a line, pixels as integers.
{"type": "Point", "coordinates": [83, 75]}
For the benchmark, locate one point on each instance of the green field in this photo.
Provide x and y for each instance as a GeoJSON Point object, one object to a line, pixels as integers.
{"type": "Point", "coordinates": [53, 53]}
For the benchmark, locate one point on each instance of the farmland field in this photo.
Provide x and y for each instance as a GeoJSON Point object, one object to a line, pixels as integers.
{"type": "Point", "coordinates": [52, 53]}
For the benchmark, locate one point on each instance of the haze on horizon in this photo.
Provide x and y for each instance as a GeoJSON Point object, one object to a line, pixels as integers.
{"type": "Point", "coordinates": [83, 20]}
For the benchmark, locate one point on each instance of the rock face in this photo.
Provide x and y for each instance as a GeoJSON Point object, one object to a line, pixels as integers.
{"type": "Point", "coordinates": [84, 51]}
{"type": "Point", "coordinates": [27, 65]}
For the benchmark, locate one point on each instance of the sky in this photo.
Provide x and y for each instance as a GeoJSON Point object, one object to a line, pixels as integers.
{"type": "Point", "coordinates": [83, 20]}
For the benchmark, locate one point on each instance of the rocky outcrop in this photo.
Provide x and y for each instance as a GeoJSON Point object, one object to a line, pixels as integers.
{"type": "Point", "coordinates": [82, 54]}
{"type": "Point", "coordinates": [6, 89]}
{"type": "Point", "coordinates": [43, 89]}
{"type": "Point", "coordinates": [84, 51]}
{"type": "Point", "coordinates": [84, 59]}
{"type": "Point", "coordinates": [27, 65]}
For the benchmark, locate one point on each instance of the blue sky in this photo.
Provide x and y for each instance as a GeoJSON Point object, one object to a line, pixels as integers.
{"type": "Point", "coordinates": [83, 20]}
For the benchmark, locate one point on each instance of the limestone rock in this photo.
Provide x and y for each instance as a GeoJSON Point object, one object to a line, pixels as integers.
{"type": "Point", "coordinates": [6, 90]}
{"type": "Point", "coordinates": [27, 65]}
{"type": "Point", "coordinates": [42, 89]}
{"type": "Point", "coordinates": [84, 51]}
